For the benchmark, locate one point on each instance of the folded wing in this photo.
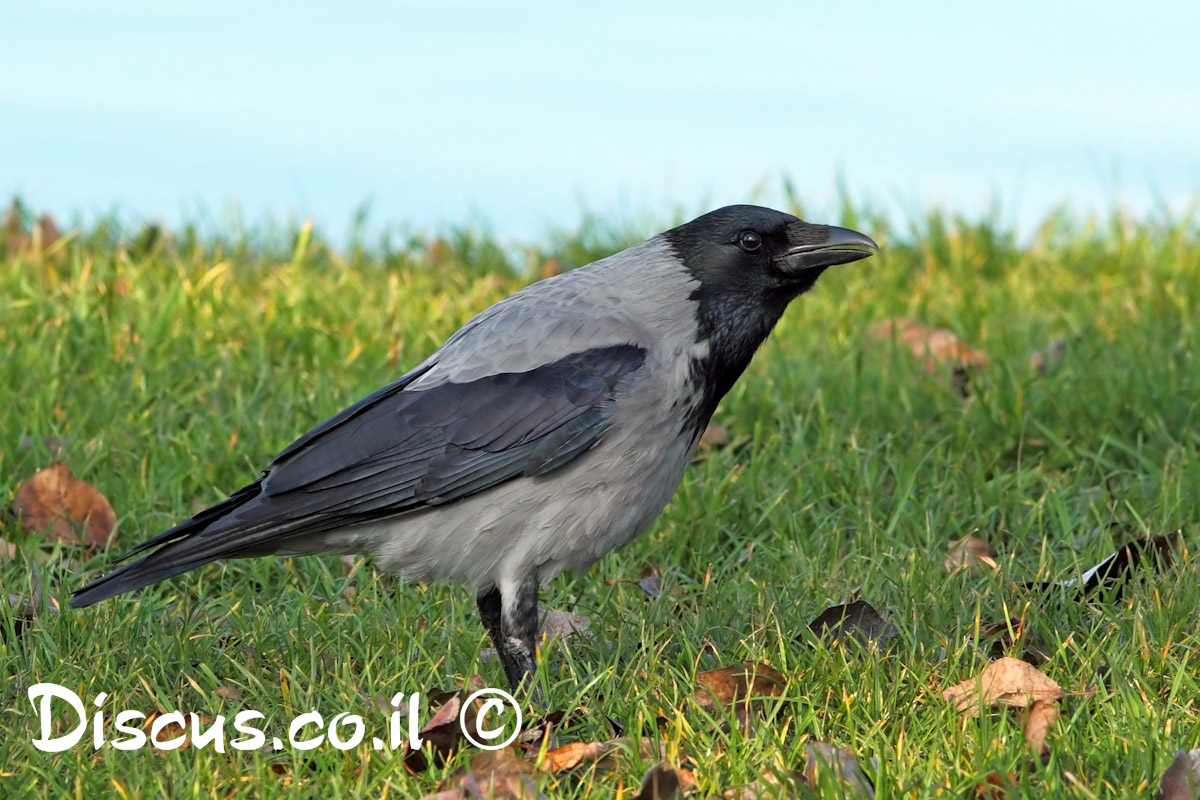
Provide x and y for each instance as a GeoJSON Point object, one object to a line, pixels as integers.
{"type": "Point", "coordinates": [398, 451]}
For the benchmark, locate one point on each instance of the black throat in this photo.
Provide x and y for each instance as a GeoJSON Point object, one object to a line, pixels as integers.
{"type": "Point", "coordinates": [734, 329]}
{"type": "Point", "coordinates": [738, 300]}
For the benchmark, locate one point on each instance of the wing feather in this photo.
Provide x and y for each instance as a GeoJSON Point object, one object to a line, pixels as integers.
{"type": "Point", "coordinates": [400, 450]}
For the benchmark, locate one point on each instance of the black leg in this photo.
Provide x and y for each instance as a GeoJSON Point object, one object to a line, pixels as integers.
{"type": "Point", "coordinates": [489, 611]}
{"type": "Point", "coordinates": [519, 625]}
{"type": "Point", "coordinates": [512, 621]}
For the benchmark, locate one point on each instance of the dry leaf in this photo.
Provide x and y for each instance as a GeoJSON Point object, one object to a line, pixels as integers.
{"type": "Point", "coordinates": [857, 621]}
{"type": "Point", "coordinates": [995, 786]}
{"type": "Point", "coordinates": [497, 774]}
{"type": "Point", "coordinates": [660, 782]}
{"type": "Point", "coordinates": [1048, 356]}
{"type": "Point", "coordinates": [172, 730]}
{"type": "Point", "coordinates": [1015, 639]}
{"type": "Point", "coordinates": [715, 436]}
{"type": "Point", "coordinates": [572, 754]}
{"type": "Point", "coordinates": [45, 233]}
{"type": "Point", "coordinates": [772, 785]}
{"type": "Point", "coordinates": [443, 735]}
{"type": "Point", "coordinates": [1006, 681]}
{"type": "Point", "coordinates": [556, 624]}
{"type": "Point", "coordinates": [383, 703]}
{"type": "Point", "coordinates": [1181, 781]}
{"type": "Point", "coordinates": [725, 687]}
{"type": "Point", "coordinates": [22, 617]}
{"type": "Point", "coordinates": [8, 550]}
{"type": "Point", "coordinates": [167, 732]}
{"type": "Point", "coordinates": [25, 613]}
{"type": "Point", "coordinates": [440, 737]}
{"type": "Point", "coordinates": [539, 732]}
{"type": "Point", "coordinates": [54, 445]}
{"type": "Point", "coordinates": [842, 768]}
{"type": "Point", "coordinates": [56, 502]}
{"type": "Point", "coordinates": [970, 553]}
{"type": "Point", "coordinates": [933, 346]}
{"type": "Point", "coordinates": [651, 585]}
{"type": "Point", "coordinates": [1038, 721]}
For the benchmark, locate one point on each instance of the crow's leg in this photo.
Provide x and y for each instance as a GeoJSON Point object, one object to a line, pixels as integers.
{"type": "Point", "coordinates": [519, 625]}
{"type": "Point", "coordinates": [511, 617]}
{"type": "Point", "coordinates": [489, 612]}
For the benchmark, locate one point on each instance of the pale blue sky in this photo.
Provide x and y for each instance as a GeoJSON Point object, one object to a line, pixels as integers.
{"type": "Point", "coordinates": [521, 113]}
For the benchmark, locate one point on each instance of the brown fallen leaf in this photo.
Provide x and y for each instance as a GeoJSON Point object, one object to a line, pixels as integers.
{"type": "Point", "coordinates": [1015, 639]}
{"type": "Point", "coordinates": [14, 230]}
{"type": "Point", "coordinates": [25, 613]}
{"type": "Point", "coordinates": [772, 785]}
{"type": "Point", "coordinates": [970, 553]}
{"type": "Point", "coordinates": [837, 766]}
{"type": "Point", "coordinates": [562, 624]}
{"type": "Point", "coordinates": [46, 232]}
{"type": "Point", "coordinates": [857, 621]}
{"type": "Point", "coordinates": [572, 754]}
{"type": "Point", "coordinates": [1048, 356]}
{"type": "Point", "coordinates": [228, 692]}
{"type": "Point", "coordinates": [55, 446]}
{"type": "Point", "coordinates": [995, 786]}
{"type": "Point", "coordinates": [538, 732]}
{"type": "Point", "coordinates": [383, 704]}
{"type": "Point", "coordinates": [1181, 781]}
{"type": "Point", "coordinates": [933, 346]}
{"type": "Point", "coordinates": [57, 562]}
{"type": "Point", "coordinates": [22, 616]}
{"type": "Point", "coordinates": [716, 437]}
{"type": "Point", "coordinates": [661, 782]}
{"type": "Point", "coordinates": [1038, 721]}
{"type": "Point", "coordinates": [555, 624]}
{"type": "Point", "coordinates": [171, 729]}
{"type": "Point", "coordinates": [441, 737]}
{"type": "Point", "coordinates": [651, 585]}
{"type": "Point", "coordinates": [1006, 681]}
{"type": "Point", "coordinates": [603, 755]}
{"type": "Point", "coordinates": [725, 687]}
{"type": "Point", "coordinates": [497, 774]}
{"type": "Point", "coordinates": [57, 503]}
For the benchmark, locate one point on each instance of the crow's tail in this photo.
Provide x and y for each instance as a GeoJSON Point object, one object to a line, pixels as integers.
{"type": "Point", "coordinates": [181, 548]}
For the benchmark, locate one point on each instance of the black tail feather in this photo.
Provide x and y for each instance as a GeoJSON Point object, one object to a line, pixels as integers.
{"type": "Point", "coordinates": [181, 548]}
{"type": "Point", "coordinates": [140, 573]}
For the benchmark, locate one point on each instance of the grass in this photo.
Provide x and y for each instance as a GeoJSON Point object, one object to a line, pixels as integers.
{"type": "Point", "coordinates": [173, 368]}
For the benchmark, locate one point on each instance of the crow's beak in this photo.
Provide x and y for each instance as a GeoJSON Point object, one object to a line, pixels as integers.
{"type": "Point", "coordinates": [820, 246]}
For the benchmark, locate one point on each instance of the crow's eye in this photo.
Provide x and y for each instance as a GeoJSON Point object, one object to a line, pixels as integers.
{"type": "Point", "coordinates": [749, 241]}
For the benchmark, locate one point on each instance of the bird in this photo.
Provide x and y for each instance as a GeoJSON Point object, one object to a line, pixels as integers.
{"type": "Point", "coordinates": [550, 429]}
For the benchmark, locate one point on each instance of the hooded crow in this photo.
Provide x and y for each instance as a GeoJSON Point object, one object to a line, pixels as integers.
{"type": "Point", "coordinates": [550, 429]}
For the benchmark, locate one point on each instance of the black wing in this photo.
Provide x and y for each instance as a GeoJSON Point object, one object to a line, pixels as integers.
{"type": "Point", "coordinates": [397, 451]}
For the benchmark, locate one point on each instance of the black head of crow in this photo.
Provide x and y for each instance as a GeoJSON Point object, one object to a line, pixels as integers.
{"type": "Point", "coordinates": [751, 262]}
{"type": "Point", "coordinates": [552, 428]}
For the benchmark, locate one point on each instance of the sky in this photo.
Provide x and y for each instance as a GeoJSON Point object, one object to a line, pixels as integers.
{"type": "Point", "coordinates": [523, 115]}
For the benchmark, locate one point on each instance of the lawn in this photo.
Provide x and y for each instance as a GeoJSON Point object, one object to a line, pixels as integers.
{"type": "Point", "coordinates": [166, 368]}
